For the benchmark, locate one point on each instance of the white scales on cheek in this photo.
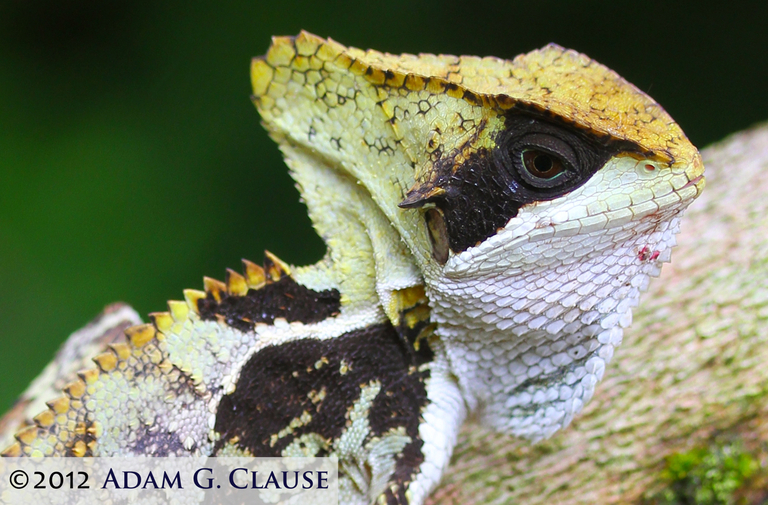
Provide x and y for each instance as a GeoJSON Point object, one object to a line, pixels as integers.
{"type": "Point", "coordinates": [532, 315]}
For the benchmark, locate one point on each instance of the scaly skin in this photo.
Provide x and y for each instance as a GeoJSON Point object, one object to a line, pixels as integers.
{"type": "Point", "coordinates": [490, 225]}
{"type": "Point", "coordinates": [691, 369]}
{"type": "Point", "coordinates": [548, 293]}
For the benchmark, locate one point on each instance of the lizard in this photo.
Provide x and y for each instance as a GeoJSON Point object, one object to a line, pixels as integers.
{"type": "Point", "coordinates": [489, 225]}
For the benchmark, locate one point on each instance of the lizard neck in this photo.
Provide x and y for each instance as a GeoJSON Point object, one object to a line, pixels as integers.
{"type": "Point", "coordinates": [530, 342]}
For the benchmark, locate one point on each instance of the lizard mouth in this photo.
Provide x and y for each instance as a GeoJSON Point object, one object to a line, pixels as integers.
{"type": "Point", "coordinates": [693, 181]}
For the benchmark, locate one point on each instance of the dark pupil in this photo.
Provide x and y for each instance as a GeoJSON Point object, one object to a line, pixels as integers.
{"type": "Point", "coordinates": [542, 165]}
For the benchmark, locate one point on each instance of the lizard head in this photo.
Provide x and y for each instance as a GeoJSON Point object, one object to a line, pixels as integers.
{"type": "Point", "coordinates": [535, 196]}
{"type": "Point", "coordinates": [553, 122]}
{"type": "Point", "coordinates": [546, 219]}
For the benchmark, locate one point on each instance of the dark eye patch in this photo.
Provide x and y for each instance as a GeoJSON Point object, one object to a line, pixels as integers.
{"type": "Point", "coordinates": [535, 159]}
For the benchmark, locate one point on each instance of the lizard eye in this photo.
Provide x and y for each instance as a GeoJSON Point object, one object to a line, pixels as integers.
{"type": "Point", "coordinates": [545, 161]}
{"type": "Point", "coordinates": [541, 164]}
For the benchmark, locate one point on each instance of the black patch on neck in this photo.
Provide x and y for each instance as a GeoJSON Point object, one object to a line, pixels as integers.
{"type": "Point", "coordinates": [285, 298]}
{"type": "Point", "coordinates": [416, 345]}
{"type": "Point", "coordinates": [488, 189]}
{"type": "Point", "coordinates": [278, 383]}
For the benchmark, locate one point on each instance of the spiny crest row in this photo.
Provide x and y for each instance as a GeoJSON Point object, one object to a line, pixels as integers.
{"type": "Point", "coordinates": [137, 337]}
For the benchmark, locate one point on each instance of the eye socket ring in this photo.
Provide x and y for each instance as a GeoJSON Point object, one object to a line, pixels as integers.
{"type": "Point", "coordinates": [545, 161]}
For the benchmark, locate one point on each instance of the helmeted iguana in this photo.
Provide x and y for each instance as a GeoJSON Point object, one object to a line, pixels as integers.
{"type": "Point", "coordinates": [490, 225]}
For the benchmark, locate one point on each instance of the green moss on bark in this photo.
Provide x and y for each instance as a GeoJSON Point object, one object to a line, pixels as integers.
{"type": "Point", "coordinates": [705, 476]}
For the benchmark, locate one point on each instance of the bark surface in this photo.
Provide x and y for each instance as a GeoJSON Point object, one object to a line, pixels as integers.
{"type": "Point", "coordinates": [693, 366]}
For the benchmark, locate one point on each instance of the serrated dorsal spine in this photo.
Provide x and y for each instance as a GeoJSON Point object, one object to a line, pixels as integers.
{"type": "Point", "coordinates": [14, 451]}
{"type": "Point", "coordinates": [75, 389]}
{"type": "Point", "coordinates": [45, 419]}
{"type": "Point", "coordinates": [214, 287]}
{"type": "Point", "coordinates": [192, 296]}
{"type": "Point", "coordinates": [106, 361]}
{"type": "Point", "coordinates": [254, 274]}
{"type": "Point", "coordinates": [163, 321]}
{"type": "Point", "coordinates": [236, 283]}
{"type": "Point", "coordinates": [275, 268]}
{"type": "Point", "coordinates": [140, 335]}
{"type": "Point", "coordinates": [179, 310]}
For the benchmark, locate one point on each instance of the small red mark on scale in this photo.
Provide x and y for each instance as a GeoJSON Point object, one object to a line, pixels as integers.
{"type": "Point", "coordinates": [645, 254]}
{"type": "Point", "coordinates": [650, 167]}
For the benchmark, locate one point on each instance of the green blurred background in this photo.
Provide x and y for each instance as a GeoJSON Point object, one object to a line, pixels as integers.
{"type": "Point", "coordinates": [132, 162]}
